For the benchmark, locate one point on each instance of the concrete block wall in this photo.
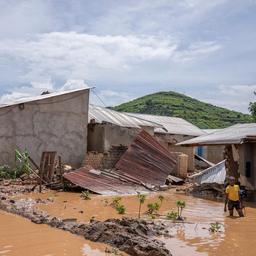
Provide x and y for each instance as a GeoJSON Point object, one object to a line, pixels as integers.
{"type": "Point", "coordinates": [57, 123]}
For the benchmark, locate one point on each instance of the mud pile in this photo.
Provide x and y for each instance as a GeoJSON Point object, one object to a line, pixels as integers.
{"type": "Point", "coordinates": [133, 236]}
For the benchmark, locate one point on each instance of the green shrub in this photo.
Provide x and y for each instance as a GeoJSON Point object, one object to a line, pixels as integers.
{"type": "Point", "coordinates": [215, 227]}
{"type": "Point", "coordinates": [85, 195]}
{"type": "Point", "coordinates": [153, 208]}
{"type": "Point", "coordinates": [120, 209]}
{"type": "Point", "coordinates": [172, 215]}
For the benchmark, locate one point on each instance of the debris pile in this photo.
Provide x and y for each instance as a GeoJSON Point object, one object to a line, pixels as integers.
{"type": "Point", "coordinates": [144, 166]}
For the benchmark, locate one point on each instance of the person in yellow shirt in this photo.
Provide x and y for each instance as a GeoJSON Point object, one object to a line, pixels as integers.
{"type": "Point", "coordinates": [233, 199]}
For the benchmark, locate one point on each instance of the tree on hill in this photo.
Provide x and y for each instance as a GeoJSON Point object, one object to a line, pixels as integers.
{"type": "Point", "coordinates": [203, 115]}
{"type": "Point", "coordinates": [252, 109]}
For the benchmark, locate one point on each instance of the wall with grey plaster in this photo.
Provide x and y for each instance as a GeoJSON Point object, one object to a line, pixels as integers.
{"type": "Point", "coordinates": [102, 136]}
{"type": "Point", "coordinates": [58, 123]}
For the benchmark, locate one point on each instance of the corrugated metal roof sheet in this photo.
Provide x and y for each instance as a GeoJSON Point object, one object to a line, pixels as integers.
{"type": "Point", "coordinates": [235, 134]}
{"type": "Point", "coordinates": [214, 174]}
{"type": "Point", "coordinates": [101, 115]}
{"type": "Point", "coordinates": [172, 125]}
{"type": "Point", "coordinates": [40, 97]}
{"type": "Point", "coordinates": [147, 161]}
{"type": "Point", "coordinates": [208, 131]}
{"type": "Point", "coordinates": [102, 184]}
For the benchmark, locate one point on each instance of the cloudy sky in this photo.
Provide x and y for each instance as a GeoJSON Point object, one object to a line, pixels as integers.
{"type": "Point", "coordinates": [129, 48]}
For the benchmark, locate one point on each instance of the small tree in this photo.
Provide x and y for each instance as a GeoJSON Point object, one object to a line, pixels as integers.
{"type": "Point", "coordinates": [142, 199]}
{"type": "Point", "coordinates": [181, 205]}
{"type": "Point", "coordinates": [252, 108]}
{"type": "Point", "coordinates": [161, 199]}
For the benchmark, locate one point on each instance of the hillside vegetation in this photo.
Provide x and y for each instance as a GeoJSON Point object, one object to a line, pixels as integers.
{"type": "Point", "coordinates": [174, 104]}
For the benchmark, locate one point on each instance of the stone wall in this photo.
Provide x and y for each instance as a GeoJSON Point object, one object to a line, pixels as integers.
{"type": "Point", "coordinates": [53, 123]}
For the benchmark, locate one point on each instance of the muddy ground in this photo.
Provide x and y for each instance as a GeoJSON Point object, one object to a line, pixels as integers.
{"type": "Point", "coordinates": [133, 236]}
{"type": "Point", "coordinates": [192, 237]}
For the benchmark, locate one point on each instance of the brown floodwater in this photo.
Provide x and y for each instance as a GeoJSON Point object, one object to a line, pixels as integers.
{"type": "Point", "coordinates": [20, 237]}
{"type": "Point", "coordinates": [237, 236]}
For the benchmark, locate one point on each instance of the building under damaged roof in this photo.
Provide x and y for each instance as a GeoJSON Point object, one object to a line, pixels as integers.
{"type": "Point", "coordinates": [171, 125]}
{"type": "Point", "coordinates": [240, 150]}
{"type": "Point", "coordinates": [111, 132]}
{"type": "Point", "coordinates": [174, 130]}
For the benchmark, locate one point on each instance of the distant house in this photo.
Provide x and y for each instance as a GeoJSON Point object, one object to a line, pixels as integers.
{"type": "Point", "coordinates": [110, 133]}
{"type": "Point", "coordinates": [173, 131]}
{"type": "Point", "coordinates": [49, 122]}
{"type": "Point", "coordinates": [213, 153]}
{"type": "Point", "coordinates": [239, 142]}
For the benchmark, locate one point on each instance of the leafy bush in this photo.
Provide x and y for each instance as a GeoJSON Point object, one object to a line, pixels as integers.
{"type": "Point", "coordinates": [120, 209]}
{"type": "Point", "coordinates": [215, 227]}
{"type": "Point", "coordinates": [153, 208]}
{"type": "Point", "coordinates": [172, 215]}
{"type": "Point", "coordinates": [85, 195]}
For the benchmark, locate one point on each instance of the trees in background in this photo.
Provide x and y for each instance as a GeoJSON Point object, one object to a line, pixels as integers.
{"type": "Point", "coordinates": [252, 108]}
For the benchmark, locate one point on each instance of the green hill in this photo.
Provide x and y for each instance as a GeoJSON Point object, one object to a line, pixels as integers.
{"type": "Point", "coordinates": [174, 104]}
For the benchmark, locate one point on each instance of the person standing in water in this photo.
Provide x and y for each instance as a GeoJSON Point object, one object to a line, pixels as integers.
{"type": "Point", "coordinates": [233, 199]}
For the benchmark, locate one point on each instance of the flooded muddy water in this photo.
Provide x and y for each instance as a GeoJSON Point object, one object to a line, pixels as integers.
{"type": "Point", "coordinates": [19, 236]}
{"type": "Point", "coordinates": [192, 238]}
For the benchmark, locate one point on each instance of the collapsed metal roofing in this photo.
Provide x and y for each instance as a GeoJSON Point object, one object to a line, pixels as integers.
{"type": "Point", "coordinates": [213, 174]}
{"type": "Point", "coordinates": [236, 134]}
{"type": "Point", "coordinates": [106, 115]}
{"type": "Point", "coordinates": [40, 97]}
{"type": "Point", "coordinates": [172, 125]}
{"type": "Point", "coordinates": [102, 183]}
{"type": "Point", "coordinates": [147, 161]}
{"type": "Point", "coordinates": [143, 167]}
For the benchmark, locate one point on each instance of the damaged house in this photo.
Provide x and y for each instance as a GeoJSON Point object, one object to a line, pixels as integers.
{"type": "Point", "coordinates": [109, 135]}
{"type": "Point", "coordinates": [173, 131]}
{"type": "Point", "coordinates": [123, 155]}
{"type": "Point", "coordinates": [50, 122]}
{"type": "Point", "coordinates": [239, 142]}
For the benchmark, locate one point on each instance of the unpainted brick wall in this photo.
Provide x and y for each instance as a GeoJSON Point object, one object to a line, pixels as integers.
{"type": "Point", "coordinates": [106, 160]}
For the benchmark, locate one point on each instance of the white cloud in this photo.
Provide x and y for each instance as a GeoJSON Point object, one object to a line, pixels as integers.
{"type": "Point", "coordinates": [73, 84]}
{"type": "Point", "coordinates": [36, 88]}
{"type": "Point", "coordinates": [71, 55]}
{"type": "Point", "coordinates": [33, 89]}
{"type": "Point", "coordinates": [236, 97]}
{"type": "Point", "coordinates": [111, 97]}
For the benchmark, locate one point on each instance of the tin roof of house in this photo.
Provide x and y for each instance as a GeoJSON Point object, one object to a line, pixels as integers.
{"type": "Point", "coordinates": [235, 134]}
{"type": "Point", "coordinates": [106, 115]}
{"type": "Point", "coordinates": [172, 125]}
{"type": "Point", "coordinates": [40, 97]}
